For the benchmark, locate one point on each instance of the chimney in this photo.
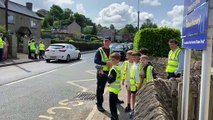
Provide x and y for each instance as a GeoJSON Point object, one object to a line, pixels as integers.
{"type": "Point", "coordinates": [29, 6]}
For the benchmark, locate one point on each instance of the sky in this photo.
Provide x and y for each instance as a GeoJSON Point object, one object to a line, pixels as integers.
{"type": "Point", "coordinates": [120, 12]}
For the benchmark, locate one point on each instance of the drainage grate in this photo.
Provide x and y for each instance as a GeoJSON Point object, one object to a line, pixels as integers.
{"type": "Point", "coordinates": [85, 96]}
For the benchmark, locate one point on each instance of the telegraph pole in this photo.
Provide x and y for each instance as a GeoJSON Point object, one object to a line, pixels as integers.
{"type": "Point", "coordinates": [6, 14]}
{"type": "Point", "coordinates": [138, 17]}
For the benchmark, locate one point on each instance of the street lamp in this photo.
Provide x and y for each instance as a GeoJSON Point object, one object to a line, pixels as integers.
{"type": "Point", "coordinates": [138, 16]}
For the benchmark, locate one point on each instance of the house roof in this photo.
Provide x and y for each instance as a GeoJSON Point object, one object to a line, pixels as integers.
{"type": "Point", "coordinates": [18, 8]}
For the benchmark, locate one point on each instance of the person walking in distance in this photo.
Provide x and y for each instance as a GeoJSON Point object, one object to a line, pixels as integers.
{"type": "Point", "coordinates": [41, 50]}
{"type": "Point", "coordinates": [6, 44]}
{"type": "Point", "coordinates": [102, 57]}
{"type": "Point", "coordinates": [175, 64]}
{"type": "Point", "coordinates": [1, 47]}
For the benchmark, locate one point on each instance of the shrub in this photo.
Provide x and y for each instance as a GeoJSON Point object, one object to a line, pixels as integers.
{"type": "Point", "coordinates": [68, 39]}
{"type": "Point", "coordinates": [83, 46]}
{"type": "Point", "coordinates": [156, 40]}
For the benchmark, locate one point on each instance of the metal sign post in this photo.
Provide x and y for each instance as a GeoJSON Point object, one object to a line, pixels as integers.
{"type": "Point", "coordinates": [186, 81]}
{"type": "Point", "coordinates": [197, 25]}
{"type": "Point", "coordinates": [205, 82]}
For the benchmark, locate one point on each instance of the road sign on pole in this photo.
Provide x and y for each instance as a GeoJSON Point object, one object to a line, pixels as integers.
{"type": "Point", "coordinates": [197, 30]}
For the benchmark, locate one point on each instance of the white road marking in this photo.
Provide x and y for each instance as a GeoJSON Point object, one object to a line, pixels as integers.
{"type": "Point", "coordinates": [91, 72]}
{"type": "Point", "coordinates": [25, 79]}
{"type": "Point", "coordinates": [86, 80]}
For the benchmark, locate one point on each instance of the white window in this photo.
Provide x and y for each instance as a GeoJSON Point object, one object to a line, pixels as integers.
{"type": "Point", "coordinates": [33, 23]}
{"type": "Point", "coordinates": [11, 19]}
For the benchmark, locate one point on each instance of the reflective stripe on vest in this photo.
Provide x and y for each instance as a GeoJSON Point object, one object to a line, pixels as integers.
{"type": "Point", "coordinates": [173, 61]}
{"type": "Point", "coordinates": [149, 75]}
{"type": "Point", "coordinates": [41, 46]}
{"type": "Point", "coordinates": [104, 58]}
{"type": "Point", "coordinates": [133, 83]}
{"type": "Point", "coordinates": [115, 87]}
{"type": "Point", "coordinates": [1, 43]}
{"type": "Point", "coordinates": [125, 69]}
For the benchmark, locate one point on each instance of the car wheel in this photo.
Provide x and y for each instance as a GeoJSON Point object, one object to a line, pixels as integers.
{"type": "Point", "coordinates": [79, 56]}
{"type": "Point", "coordinates": [68, 58]}
{"type": "Point", "coordinates": [48, 61]}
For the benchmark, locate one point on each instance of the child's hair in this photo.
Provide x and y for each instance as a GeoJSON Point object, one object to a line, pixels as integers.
{"type": "Point", "coordinates": [129, 52]}
{"type": "Point", "coordinates": [143, 51]}
{"type": "Point", "coordinates": [145, 57]}
{"type": "Point", "coordinates": [136, 54]}
{"type": "Point", "coordinates": [116, 55]}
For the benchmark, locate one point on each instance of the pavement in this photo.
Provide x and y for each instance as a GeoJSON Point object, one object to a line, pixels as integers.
{"type": "Point", "coordinates": [96, 115]}
{"type": "Point", "coordinates": [23, 58]}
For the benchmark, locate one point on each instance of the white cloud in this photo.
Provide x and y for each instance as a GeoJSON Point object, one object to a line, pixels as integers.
{"type": "Point", "coordinates": [176, 14]}
{"type": "Point", "coordinates": [120, 15]}
{"type": "Point", "coordinates": [80, 9]}
{"type": "Point", "coordinates": [151, 2]}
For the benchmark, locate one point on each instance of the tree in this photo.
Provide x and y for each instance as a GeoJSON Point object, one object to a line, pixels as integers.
{"type": "Point", "coordinates": [129, 28]}
{"type": "Point", "coordinates": [94, 30]}
{"type": "Point", "coordinates": [148, 24]}
{"type": "Point", "coordinates": [56, 12]}
{"type": "Point", "coordinates": [67, 13]}
{"type": "Point", "coordinates": [112, 27]}
{"type": "Point", "coordinates": [87, 30]}
{"type": "Point", "coordinates": [45, 24]}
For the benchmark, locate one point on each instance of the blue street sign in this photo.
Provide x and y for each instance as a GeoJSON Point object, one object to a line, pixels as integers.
{"type": "Point", "coordinates": [196, 22]}
{"type": "Point", "coordinates": [190, 5]}
{"type": "Point", "coordinates": [197, 42]}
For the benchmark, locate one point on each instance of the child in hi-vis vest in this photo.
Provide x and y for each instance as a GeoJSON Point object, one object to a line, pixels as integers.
{"type": "Point", "coordinates": [135, 79]}
{"type": "Point", "coordinates": [126, 77]}
{"type": "Point", "coordinates": [148, 72]}
{"type": "Point", "coordinates": [114, 87]}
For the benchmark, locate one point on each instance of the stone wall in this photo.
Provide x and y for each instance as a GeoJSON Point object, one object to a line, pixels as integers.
{"type": "Point", "coordinates": [161, 99]}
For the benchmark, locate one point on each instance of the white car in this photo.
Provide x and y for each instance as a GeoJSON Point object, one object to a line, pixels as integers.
{"type": "Point", "coordinates": [62, 51]}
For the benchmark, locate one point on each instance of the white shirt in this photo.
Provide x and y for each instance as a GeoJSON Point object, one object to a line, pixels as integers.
{"type": "Point", "coordinates": [136, 72]}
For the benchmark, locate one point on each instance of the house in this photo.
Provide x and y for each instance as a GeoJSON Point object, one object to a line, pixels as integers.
{"type": "Point", "coordinates": [75, 29]}
{"type": "Point", "coordinates": [103, 32]}
{"type": "Point", "coordinates": [21, 19]}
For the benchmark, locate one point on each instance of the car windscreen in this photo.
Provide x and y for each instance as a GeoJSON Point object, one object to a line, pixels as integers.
{"type": "Point", "coordinates": [113, 45]}
{"type": "Point", "coordinates": [120, 46]}
{"type": "Point", "coordinates": [56, 47]}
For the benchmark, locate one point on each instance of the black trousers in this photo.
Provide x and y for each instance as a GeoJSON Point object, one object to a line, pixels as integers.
{"type": "Point", "coordinates": [29, 52]}
{"type": "Point", "coordinates": [1, 54]}
{"type": "Point", "coordinates": [101, 83]}
{"type": "Point", "coordinates": [41, 53]}
{"type": "Point", "coordinates": [172, 75]}
{"type": "Point", "coordinates": [112, 105]}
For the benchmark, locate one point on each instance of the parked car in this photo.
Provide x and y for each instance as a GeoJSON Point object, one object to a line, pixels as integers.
{"type": "Point", "coordinates": [130, 46]}
{"type": "Point", "coordinates": [62, 52]}
{"type": "Point", "coordinates": [120, 48]}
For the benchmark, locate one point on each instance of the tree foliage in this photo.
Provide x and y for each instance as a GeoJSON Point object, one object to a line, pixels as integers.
{"type": "Point", "coordinates": [148, 24]}
{"type": "Point", "coordinates": [156, 40]}
{"type": "Point", "coordinates": [58, 17]}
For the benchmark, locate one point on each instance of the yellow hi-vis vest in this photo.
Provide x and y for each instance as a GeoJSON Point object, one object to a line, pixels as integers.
{"type": "Point", "coordinates": [1, 43]}
{"type": "Point", "coordinates": [126, 67]}
{"type": "Point", "coordinates": [173, 61]}
{"type": "Point", "coordinates": [115, 87]}
{"type": "Point", "coordinates": [32, 46]}
{"type": "Point", "coordinates": [133, 83]}
{"type": "Point", "coordinates": [149, 75]}
{"type": "Point", "coordinates": [104, 58]}
{"type": "Point", "coordinates": [41, 46]}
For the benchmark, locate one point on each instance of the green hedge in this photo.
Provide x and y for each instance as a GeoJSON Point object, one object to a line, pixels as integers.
{"type": "Point", "coordinates": [82, 46]}
{"type": "Point", "coordinates": [156, 40]}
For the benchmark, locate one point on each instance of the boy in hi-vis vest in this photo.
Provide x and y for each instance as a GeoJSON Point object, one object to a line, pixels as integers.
{"type": "Point", "coordinates": [114, 87]}
{"type": "Point", "coordinates": [135, 79]}
{"type": "Point", "coordinates": [126, 77]}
